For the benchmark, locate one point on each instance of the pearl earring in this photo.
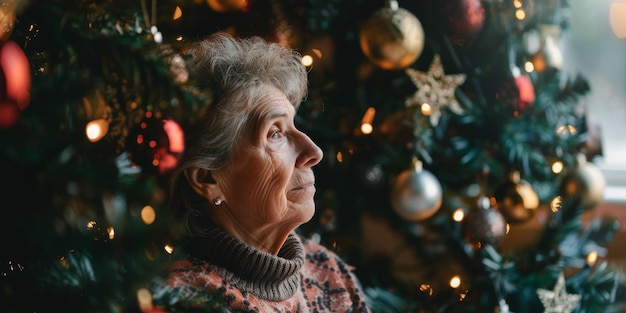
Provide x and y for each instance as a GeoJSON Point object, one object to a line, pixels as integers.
{"type": "Point", "coordinates": [217, 201]}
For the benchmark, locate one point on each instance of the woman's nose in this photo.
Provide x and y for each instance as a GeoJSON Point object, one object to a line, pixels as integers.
{"type": "Point", "coordinates": [310, 153]}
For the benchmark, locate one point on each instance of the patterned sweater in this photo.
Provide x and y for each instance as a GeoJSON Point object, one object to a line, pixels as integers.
{"type": "Point", "coordinates": [304, 277]}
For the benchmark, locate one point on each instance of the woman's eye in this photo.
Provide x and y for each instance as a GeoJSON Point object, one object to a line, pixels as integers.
{"type": "Point", "coordinates": [276, 134]}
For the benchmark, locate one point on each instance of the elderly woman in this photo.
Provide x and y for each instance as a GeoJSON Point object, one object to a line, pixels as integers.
{"type": "Point", "coordinates": [245, 183]}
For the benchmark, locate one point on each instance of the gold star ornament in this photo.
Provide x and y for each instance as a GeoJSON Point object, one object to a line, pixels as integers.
{"type": "Point", "coordinates": [435, 90]}
{"type": "Point", "coordinates": [558, 300]}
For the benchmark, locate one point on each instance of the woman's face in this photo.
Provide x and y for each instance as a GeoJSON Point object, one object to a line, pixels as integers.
{"type": "Point", "coordinates": [269, 181]}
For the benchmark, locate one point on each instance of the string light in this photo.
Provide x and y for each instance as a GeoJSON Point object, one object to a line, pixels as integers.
{"type": "Point", "coordinates": [366, 121]}
{"type": "Point", "coordinates": [96, 129]}
{"type": "Point", "coordinates": [555, 204]}
{"type": "Point", "coordinates": [111, 232]}
{"type": "Point", "coordinates": [520, 14]}
{"type": "Point", "coordinates": [426, 109]}
{"type": "Point", "coordinates": [178, 13]}
{"type": "Point", "coordinates": [455, 281]}
{"type": "Point", "coordinates": [557, 167]}
{"type": "Point", "coordinates": [458, 215]}
{"type": "Point", "coordinates": [307, 60]}
{"type": "Point", "coordinates": [144, 299]}
{"type": "Point", "coordinates": [529, 67]}
{"type": "Point", "coordinates": [148, 215]}
{"type": "Point", "coordinates": [169, 249]}
{"type": "Point", "coordinates": [592, 257]}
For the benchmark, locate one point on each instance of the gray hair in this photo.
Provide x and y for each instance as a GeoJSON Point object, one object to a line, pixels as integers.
{"type": "Point", "coordinates": [238, 72]}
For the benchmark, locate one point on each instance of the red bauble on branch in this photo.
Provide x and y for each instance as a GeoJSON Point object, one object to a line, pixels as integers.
{"type": "Point", "coordinates": [525, 89]}
{"type": "Point", "coordinates": [465, 19]}
{"type": "Point", "coordinates": [14, 75]}
{"type": "Point", "coordinates": [155, 144]}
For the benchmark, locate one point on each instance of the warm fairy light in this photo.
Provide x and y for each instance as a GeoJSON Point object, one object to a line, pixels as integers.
{"type": "Point", "coordinates": [367, 129]}
{"type": "Point", "coordinates": [517, 4]}
{"type": "Point", "coordinates": [366, 121]}
{"type": "Point", "coordinates": [152, 143]}
{"type": "Point", "coordinates": [317, 52]}
{"type": "Point", "coordinates": [463, 295]}
{"type": "Point", "coordinates": [425, 288]}
{"type": "Point", "coordinates": [307, 60]}
{"type": "Point", "coordinates": [529, 67]}
{"type": "Point", "coordinates": [178, 13]}
{"type": "Point", "coordinates": [508, 228]}
{"type": "Point", "coordinates": [111, 232]}
{"type": "Point", "coordinates": [458, 215]}
{"type": "Point", "coordinates": [148, 215]}
{"type": "Point", "coordinates": [91, 224]}
{"type": "Point", "coordinates": [520, 14]}
{"type": "Point", "coordinates": [169, 249]}
{"type": "Point", "coordinates": [179, 38]}
{"type": "Point", "coordinates": [144, 299]}
{"type": "Point", "coordinates": [617, 17]}
{"type": "Point", "coordinates": [557, 167]}
{"type": "Point", "coordinates": [426, 109]}
{"type": "Point", "coordinates": [455, 281]}
{"type": "Point", "coordinates": [96, 129]}
{"type": "Point", "coordinates": [155, 160]}
{"type": "Point", "coordinates": [592, 257]}
{"type": "Point", "coordinates": [566, 130]}
{"type": "Point", "coordinates": [339, 157]}
{"type": "Point", "coordinates": [63, 262]}
{"type": "Point", "coordinates": [555, 204]}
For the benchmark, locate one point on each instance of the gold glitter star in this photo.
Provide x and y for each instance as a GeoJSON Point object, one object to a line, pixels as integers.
{"type": "Point", "coordinates": [558, 300]}
{"type": "Point", "coordinates": [435, 89]}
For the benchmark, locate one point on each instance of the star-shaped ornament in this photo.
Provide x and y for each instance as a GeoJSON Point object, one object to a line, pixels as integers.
{"type": "Point", "coordinates": [435, 90]}
{"type": "Point", "coordinates": [558, 300]}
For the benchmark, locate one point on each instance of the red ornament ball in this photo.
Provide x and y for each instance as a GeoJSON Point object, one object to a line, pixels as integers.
{"type": "Point", "coordinates": [14, 75]}
{"type": "Point", "coordinates": [525, 89]}
{"type": "Point", "coordinates": [9, 114]}
{"type": "Point", "coordinates": [155, 144]}
{"type": "Point", "coordinates": [465, 19]}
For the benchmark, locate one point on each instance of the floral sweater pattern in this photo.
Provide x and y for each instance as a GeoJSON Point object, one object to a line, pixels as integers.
{"type": "Point", "coordinates": [304, 277]}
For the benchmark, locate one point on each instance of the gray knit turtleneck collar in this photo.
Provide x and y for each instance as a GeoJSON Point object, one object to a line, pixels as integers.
{"type": "Point", "coordinates": [268, 276]}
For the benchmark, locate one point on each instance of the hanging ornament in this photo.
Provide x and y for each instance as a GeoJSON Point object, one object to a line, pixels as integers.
{"type": "Point", "coordinates": [155, 144]}
{"type": "Point", "coordinates": [549, 54]}
{"type": "Point", "coordinates": [223, 6]}
{"type": "Point", "coordinates": [416, 194]}
{"type": "Point", "coordinates": [516, 199]}
{"type": "Point", "coordinates": [435, 90]}
{"type": "Point", "coordinates": [14, 75]}
{"type": "Point", "coordinates": [558, 300]}
{"type": "Point", "coordinates": [392, 38]}
{"type": "Point", "coordinates": [525, 89]}
{"type": "Point", "coordinates": [465, 19]}
{"type": "Point", "coordinates": [484, 225]}
{"type": "Point", "coordinates": [586, 181]}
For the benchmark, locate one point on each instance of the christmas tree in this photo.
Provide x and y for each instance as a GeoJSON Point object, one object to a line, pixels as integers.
{"type": "Point", "coordinates": [451, 122]}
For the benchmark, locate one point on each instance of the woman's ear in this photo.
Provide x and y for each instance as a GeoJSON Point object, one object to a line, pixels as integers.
{"type": "Point", "coordinates": [202, 183]}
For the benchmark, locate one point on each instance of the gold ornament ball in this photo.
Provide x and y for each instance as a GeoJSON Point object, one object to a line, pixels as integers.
{"type": "Point", "coordinates": [517, 200]}
{"type": "Point", "coordinates": [586, 181]}
{"type": "Point", "coordinates": [416, 194]}
{"type": "Point", "coordinates": [7, 20]}
{"type": "Point", "coordinates": [392, 38]}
